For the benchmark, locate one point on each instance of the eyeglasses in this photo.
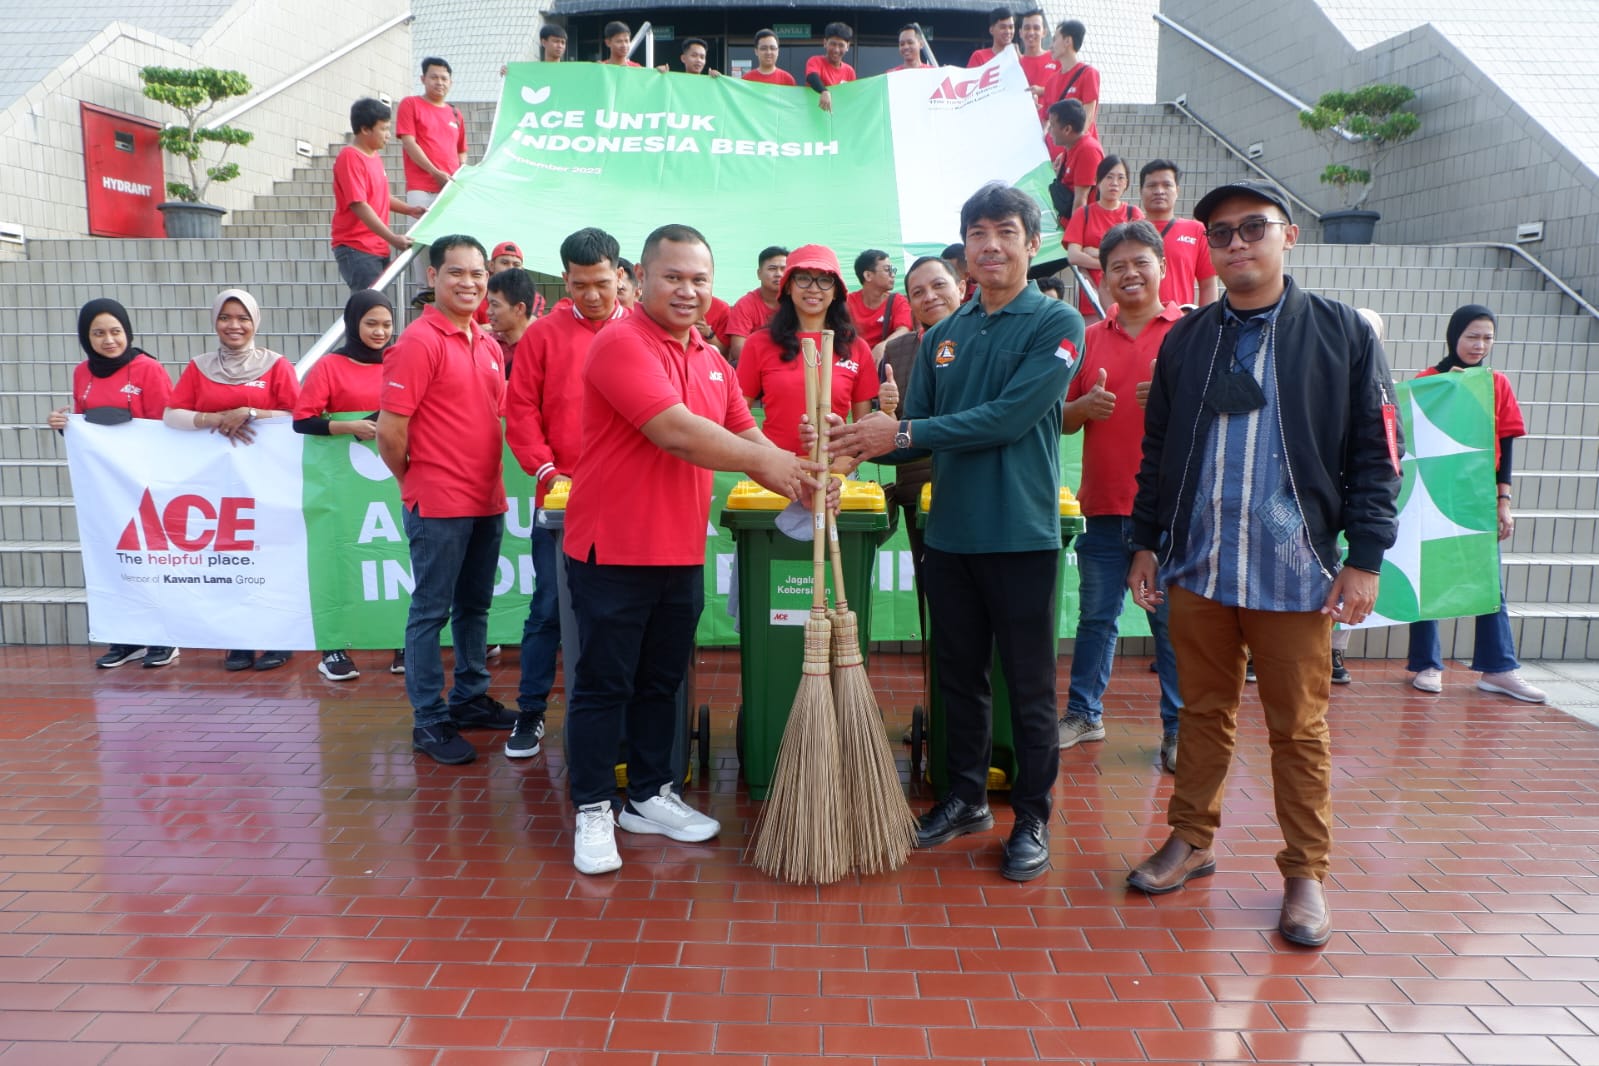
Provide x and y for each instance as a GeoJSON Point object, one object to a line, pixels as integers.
{"type": "Point", "coordinates": [1251, 229]}
{"type": "Point", "coordinates": [889, 268]}
{"type": "Point", "coordinates": [813, 281]}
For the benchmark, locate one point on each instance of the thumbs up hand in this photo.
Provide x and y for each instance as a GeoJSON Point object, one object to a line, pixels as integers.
{"type": "Point", "coordinates": [1099, 402]}
{"type": "Point", "coordinates": [888, 392]}
{"type": "Point", "coordinates": [1141, 391]}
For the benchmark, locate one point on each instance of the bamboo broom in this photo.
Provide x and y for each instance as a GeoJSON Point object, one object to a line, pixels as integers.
{"type": "Point", "coordinates": [882, 826]}
{"type": "Point", "coordinates": [802, 836]}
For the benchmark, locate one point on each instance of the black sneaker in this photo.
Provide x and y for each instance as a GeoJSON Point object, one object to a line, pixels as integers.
{"type": "Point", "coordinates": [523, 743]}
{"type": "Point", "coordinates": [398, 665]}
{"type": "Point", "coordinates": [443, 743]}
{"type": "Point", "coordinates": [483, 712]}
{"type": "Point", "coordinates": [337, 666]}
{"type": "Point", "coordinates": [1340, 672]}
{"type": "Point", "coordinates": [119, 655]}
{"type": "Point", "coordinates": [1249, 669]}
{"type": "Point", "coordinates": [238, 660]}
{"type": "Point", "coordinates": [271, 660]}
{"type": "Point", "coordinates": [951, 818]}
{"type": "Point", "coordinates": [1027, 850]}
{"type": "Point", "coordinates": [159, 656]}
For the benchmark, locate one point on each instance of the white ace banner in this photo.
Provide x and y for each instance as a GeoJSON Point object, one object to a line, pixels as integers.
{"type": "Point", "coordinates": [184, 545]}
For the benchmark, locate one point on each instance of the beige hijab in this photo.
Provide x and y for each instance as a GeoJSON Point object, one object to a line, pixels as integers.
{"type": "Point", "coordinates": [235, 366]}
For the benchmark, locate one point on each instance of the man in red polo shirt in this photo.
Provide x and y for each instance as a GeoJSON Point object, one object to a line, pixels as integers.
{"type": "Point", "coordinates": [439, 432]}
{"type": "Point", "coordinates": [829, 69]}
{"type": "Point", "coordinates": [1075, 169]}
{"type": "Point", "coordinates": [1117, 355]}
{"type": "Point", "coordinates": [544, 428]}
{"type": "Point", "coordinates": [433, 134]}
{"type": "Point", "coordinates": [1001, 32]}
{"type": "Point", "coordinates": [766, 70]}
{"type": "Point", "coordinates": [879, 313]}
{"type": "Point", "coordinates": [1037, 62]}
{"type": "Point", "coordinates": [661, 410]}
{"type": "Point", "coordinates": [755, 308]}
{"type": "Point", "coordinates": [1187, 259]}
{"type": "Point", "coordinates": [362, 200]}
{"type": "Point", "coordinates": [1075, 80]}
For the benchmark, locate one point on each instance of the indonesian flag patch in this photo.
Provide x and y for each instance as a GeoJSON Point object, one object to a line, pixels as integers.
{"type": "Point", "coordinates": [1067, 353]}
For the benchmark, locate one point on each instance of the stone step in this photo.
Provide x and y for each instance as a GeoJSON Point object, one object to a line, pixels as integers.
{"type": "Point", "coordinates": [1540, 631]}
{"type": "Point", "coordinates": [1547, 451]}
{"type": "Point", "coordinates": [209, 251]}
{"type": "Point", "coordinates": [34, 477]}
{"type": "Point", "coordinates": [43, 616]}
{"type": "Point", "coordinates": [1565, 531]}
{"type": "Point", "coordinates": [190, 296]}
{"type": "Point", "coordinates": [1443, 301]}
{"type": "Point", "coordinates": [1317, 275]}
{"type": "Point", "coordinates": [38, 518]}
{"type": "Point", "coordinates": [1551, 578]}
{"type": "Point", "coordinates": [41, 564]}
{"type": "Point", "coordinates": [1555, 490]}
{"type": "Point", "coordinates": [313, 265]}
{"type": "Point", "coordinates": [1555, 416]}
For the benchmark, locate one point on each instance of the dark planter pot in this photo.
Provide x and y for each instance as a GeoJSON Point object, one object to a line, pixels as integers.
{"type": "Point", "coordinates": [1348, 227]}
{"type": "Point", "coordinates": [192, 220]}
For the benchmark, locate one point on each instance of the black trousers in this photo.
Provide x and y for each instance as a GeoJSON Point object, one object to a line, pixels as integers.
{"type": "Point", "coordinates": [977, 603]}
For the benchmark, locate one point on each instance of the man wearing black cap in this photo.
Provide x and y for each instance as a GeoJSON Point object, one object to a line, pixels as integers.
{"type": "Point", "coordinates": [1276, 406]}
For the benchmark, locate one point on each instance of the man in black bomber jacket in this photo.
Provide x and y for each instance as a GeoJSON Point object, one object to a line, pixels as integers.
{"type": "Point", "coordinates": [1269, 431]}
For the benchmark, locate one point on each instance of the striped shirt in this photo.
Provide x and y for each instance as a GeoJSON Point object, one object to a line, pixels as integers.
{"type": "Point", "coordinates": [1247, 544]}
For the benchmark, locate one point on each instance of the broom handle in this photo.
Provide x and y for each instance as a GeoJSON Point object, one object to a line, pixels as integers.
{"type": "Point", "coordinates": [813, 368]}
{"type": "Point", "coordinates": [825, 405]}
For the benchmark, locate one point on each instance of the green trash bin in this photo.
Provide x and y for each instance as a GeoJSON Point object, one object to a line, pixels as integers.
{"type": "Point", "coordinates": [929, 726]}
{"type": "Point", "coordinates": [774, 600]}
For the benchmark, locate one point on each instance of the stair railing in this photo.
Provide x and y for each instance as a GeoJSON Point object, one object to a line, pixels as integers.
{"type": "Point", "coordinates": [1549, 275]}
{"type": "Point", "coordinates": [1181, 105]}
{"type": "Point", "coordinates": [335, 333]}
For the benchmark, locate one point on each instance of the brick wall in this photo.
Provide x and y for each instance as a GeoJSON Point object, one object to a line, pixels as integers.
{"type": "Point", "coordinates": [41, 139]}
{"type": "Point", "coordinates": [1479, 166]}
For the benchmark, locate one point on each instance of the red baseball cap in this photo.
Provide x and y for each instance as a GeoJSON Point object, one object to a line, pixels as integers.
{"type": "Point", "coordinates": [507, 248]}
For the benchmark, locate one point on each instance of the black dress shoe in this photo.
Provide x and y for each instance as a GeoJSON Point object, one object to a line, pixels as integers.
{"type": "Point", "coordinates": [238, 660]}
{"type": "Point", "coordinates": [1027, 850]}
{"type": "Point", "coordinates": [952, 817]}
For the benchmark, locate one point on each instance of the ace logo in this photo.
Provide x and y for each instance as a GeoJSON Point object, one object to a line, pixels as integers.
{"type": "Point", "coordinates": [191, 523]}
{"type": "Point", "coordinates": [952, 93]}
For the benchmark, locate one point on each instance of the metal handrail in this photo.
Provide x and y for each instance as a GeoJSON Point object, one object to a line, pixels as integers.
{"type": "Point", "coordinates": [335, 333]}
{"type": "Point", "coordinates": [646, 37]}
{"type": "Point", "coordinates": [1089, 290]}
{"type": "Point", "coordinates": [332, 57]}
{"type": "Point", "coordinates": [1532, 261]}
{"type": "Point", "coordinates": [1259, 79]}
{"type": "Point", "coordinates": [1221, 139]}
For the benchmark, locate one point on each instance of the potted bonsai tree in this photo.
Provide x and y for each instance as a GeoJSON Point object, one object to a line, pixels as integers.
{"type": "Point", "coordinates": [196, 93]}
{"type": "Point", "coordinates": [1366, 123]}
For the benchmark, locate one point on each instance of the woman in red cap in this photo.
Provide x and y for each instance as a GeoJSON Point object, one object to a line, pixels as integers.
{"type": "Point", "coordinates": [811, 299]}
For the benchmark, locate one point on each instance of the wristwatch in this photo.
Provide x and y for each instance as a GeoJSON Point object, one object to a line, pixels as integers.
{"type": "Point", "coordinates": [902, 439]}
{"type": "Point", "coordinates": [252, 414]}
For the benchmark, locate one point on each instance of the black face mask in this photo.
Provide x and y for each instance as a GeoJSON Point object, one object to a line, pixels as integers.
{"type": "Point", "coordinates": [1234, 393]}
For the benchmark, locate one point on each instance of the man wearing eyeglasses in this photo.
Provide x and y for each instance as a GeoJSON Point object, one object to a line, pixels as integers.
{"type": "Point", "coordinates": [879, 314]}
{"type": "Point", "coordinates": [1269, 431]}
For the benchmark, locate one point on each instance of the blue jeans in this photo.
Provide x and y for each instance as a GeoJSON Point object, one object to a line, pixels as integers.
{"type": "Point", "coordinates": [1103, 556]}
{"type": "Point", "coordinates": [635, 626]}
{"type": "Point", "coordinates": [453, 565]}
{"type": "Point", "coordinates": [1493, 653]}
{"type": "Point", "coordinates": [359, 269]}
{"type": "Point", "coordinates": [541, 633]}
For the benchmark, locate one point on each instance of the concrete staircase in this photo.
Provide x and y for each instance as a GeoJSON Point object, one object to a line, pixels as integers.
{"type": "Point", "coordinates": [278, 250]}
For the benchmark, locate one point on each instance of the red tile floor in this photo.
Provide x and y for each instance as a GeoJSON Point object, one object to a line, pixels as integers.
{"type": "Point", "coordinates": [203, 868]}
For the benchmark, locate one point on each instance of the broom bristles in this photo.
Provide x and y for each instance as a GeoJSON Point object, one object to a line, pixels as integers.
{"type": "Point", "coordinates": [801, 836]}
{"type": "Point", "coordinates": [882, 825]}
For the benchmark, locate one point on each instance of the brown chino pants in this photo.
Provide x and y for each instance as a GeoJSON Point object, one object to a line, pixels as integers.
{"type": "Point", "coordinates": [1293, 664]}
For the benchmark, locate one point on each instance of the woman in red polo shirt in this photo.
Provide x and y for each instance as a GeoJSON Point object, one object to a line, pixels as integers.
{"type": "Point", "coordinates": [1087, 227]}
{"type": "Point", "coordinates": [347, 381]}
{"type": "Point", "coordinates": [226, 391]}
{"type": "Point", "coordinates": [811, 299]}
{"type": "Point", "coordinates": [116, 377]}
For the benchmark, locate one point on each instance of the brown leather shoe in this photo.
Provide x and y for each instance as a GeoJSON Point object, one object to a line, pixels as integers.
{"type": "Point", "coordinates": [1175, 864]}
{"type": "Point", "coordinates": [1305, 918]}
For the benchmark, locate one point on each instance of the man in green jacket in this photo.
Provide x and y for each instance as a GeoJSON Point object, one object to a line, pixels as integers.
{"type": "Point", "coordinates": [985, 402]}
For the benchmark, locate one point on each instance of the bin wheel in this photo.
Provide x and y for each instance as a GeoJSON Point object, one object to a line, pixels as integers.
{"type": "Point", "coordinates": [918, 737]}
{"type": "Point", "coordinates": [738, 737]}
{"type": "Point", "coordinates": [704, 739]}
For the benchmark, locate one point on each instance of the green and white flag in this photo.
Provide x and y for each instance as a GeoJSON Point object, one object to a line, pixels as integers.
{"type": "Point", "coordinates": [747, 164]}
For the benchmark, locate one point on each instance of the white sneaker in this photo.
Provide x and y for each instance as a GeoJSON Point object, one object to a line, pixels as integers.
{"type": "Point", "coordinates": [1510, 683]}
{"type": "Point", "coordinates": [594, 840]}
{"type": "Point", "coordinates": [665, 814]}
{"type": "Point", "coordinates": [1428, 680]}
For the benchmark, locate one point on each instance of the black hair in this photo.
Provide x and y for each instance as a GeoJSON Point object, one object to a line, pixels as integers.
{"type": "Point", "coordinates": [442, 245]}
{"type": "Point", "coordinates": [771, 251]}
{"type": "Point", "coordinates": [516, 285]}
{"type": "Point", "coordinates": [1155, 166]}
{"type": "Point", "coordinates": [941, 261]}
{"type": "Point", "coordinates": [784, 324]}
{"type": "Point", "coordinates": [1074, 29]}
{"type": "Point", "coordinates": [1000, 13]}
{"type": "Point", "coordinates": [627, 267]}
{"type": "Point", "coordinates": [368, 112]}
{"type": "Point", "coordinates": [867, 262]}
{"type": "Point", "coordinates": [548, 32]}
{"type": "Point", "coordinates": [998, 201]}
{"type": "Point", "coordinates": [1052, 285]}
{"type": "Point", "coordinates": [1108, 164]}
{"type": "Point", "coordinates": [761, 35]}
{"type": "Point", "coordinates": [590, 246]}
{"type": "Point", "coordinates": [1139, 231]}
{"type": "Point", "coordinates": [695, 40]}
{"type": "Point", "coordinates": [1029, 13]}
{"type": "Point", "coordinates": [912, 27]}
{"type": "Point", "coordinates": [1070, 113]}
{"type": "Point", "coordinates": [674, 232]}
{"type": "Point", "coordinates": [614, 28]}
{"type": "Point", "coordinates": [435, 61]}
{"type": "Point", "coordinates": [952, 251]}
{"type": "Point", "coordinates": [839, 30]}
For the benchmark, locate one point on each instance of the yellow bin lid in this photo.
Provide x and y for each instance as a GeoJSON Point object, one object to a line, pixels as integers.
{"type": "Point", "coordinates": [555, 499]}
{"type": "Point", "coordinates": [855, 496]}
{"type": "Point", "coordinates": [1069, 507]}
